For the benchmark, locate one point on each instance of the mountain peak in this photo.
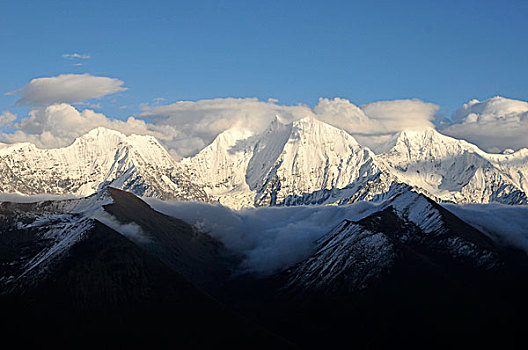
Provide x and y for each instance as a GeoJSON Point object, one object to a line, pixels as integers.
{"type": "Point", "coordinates": [98, 138]}
{"type": "Point", "coordinates": [424, 132]}
{"type": "Point", "coordinates": [102, 132]}
{"type": "Point", "coordinates": [101, 137]}
{"type": "Point", "coordinates": [426, 138]}
{"type": "Point", "coordinates": [321, 131]}
{"type": "Point", "coordinates": [451, 169]}
{"type": "Point", "coordinates": [95, 160]}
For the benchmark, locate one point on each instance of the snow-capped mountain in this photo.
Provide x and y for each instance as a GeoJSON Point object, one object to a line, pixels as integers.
{"type": "Point", "coordinates": [95, 160]}
{"type": "Point", "coordinates": [304, 162]}
{"type": "Point", "coordinates": [220, 167]}
{"type": "Point", "coordinates": [311, 162]}
{"type": "Point", "coordinates": [513, 164]}
{"type": "Point", "coordinates": [392, 257]}
{"type": "Point", "coordinates": [317, 164]}
{"type": "Point", "coordinates": [455, 170]}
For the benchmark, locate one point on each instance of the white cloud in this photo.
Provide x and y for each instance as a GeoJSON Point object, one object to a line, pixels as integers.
{"type": "Point", "coordinates": [7, 117]}
{"type": "Point", "coordinates": [58, 125]}
{"type": "Point", "coordinates": [76, 55]}
{"type": "Point", "coordinates": [494, 125]}
{"type": "Point", "coordinates": [185, 127]}
{"type": "Point", "coordinates": [347, 116]}
{"type": "Point", "coordinates": [69, 88]}
{"type": "Point", "coordinates": [397, 115]}
{"type": "Point", "coordinates": [270, 239]}
{"type": "Point", "coordinates": [200, 122]}
{"type": "Point", "coordinates": [196, 124]}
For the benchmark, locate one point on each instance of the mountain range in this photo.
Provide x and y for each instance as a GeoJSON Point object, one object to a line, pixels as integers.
{"type": "Point", "coordinates": [304, 162]}
{"type": "Point", "coordinates": [399, 268]}
{"type": "Point", "coordinates": [405, 271]}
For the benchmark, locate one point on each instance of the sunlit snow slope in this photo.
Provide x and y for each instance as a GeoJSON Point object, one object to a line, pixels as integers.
{"type": "Point", "coordinates": [94, 161]}
{"type": "Point", "coordinates": [304, 162]}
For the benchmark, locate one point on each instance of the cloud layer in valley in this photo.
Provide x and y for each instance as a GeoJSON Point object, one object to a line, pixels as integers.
{"type": "Point", "coordinates": [271, 239]}
{"type": "Point", "coordinates": [506, 223]}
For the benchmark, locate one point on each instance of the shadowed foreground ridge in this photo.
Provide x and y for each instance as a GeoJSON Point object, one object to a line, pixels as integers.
{"type": "Point", "coordinates": [194, 254]}
{"type": "Point", "coordinates": [388, 281]}
{"type": "Point", "coordinates": [408, 273]}
{"type": "Point", "coordinates": [109, 292]}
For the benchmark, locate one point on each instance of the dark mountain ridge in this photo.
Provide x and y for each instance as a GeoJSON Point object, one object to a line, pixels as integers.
{"type": "Point", "coordinates": [410, 273]}
{"type": "Point", "coordinates": [106, 291]}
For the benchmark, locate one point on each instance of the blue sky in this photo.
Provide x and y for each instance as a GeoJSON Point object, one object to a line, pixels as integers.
{"type": "Point", "coordinates": [445, 52]}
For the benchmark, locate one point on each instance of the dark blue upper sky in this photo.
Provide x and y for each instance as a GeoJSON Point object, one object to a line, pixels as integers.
{"type": "Point", "coordinates": [445, 52]}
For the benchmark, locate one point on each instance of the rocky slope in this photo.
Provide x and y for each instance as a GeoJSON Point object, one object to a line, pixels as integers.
{"type": "Point", "coordinates": [412, 274]}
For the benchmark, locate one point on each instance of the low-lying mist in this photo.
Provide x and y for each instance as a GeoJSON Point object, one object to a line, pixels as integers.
{"type": "Point", "coordinates": [271, 239]}
{"type": "Point", "coordinates": [505, 223]}
{"type": "Point", "coordinates": [21, 198]}
{"type": "Point", "coordinates": [131, 230]}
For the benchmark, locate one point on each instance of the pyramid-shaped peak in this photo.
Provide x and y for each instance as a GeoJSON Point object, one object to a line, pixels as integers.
{"type": "Point", "coordinates": [425, 141]}
{"type": "Point", "coordinates": [427, 131]}
{"type": "Point", "coordinates": [309, 120]}
{"type": "Point", "coordinates": [410, 136]}
{"type": "Point", "coordinates": [425, 135]}
{"type": "Point", "coordinates": [316, 128]}
{"type": "Point", "coordinates": [98, 138]}
{"type": "Point", "coordinates": [230, 137]}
